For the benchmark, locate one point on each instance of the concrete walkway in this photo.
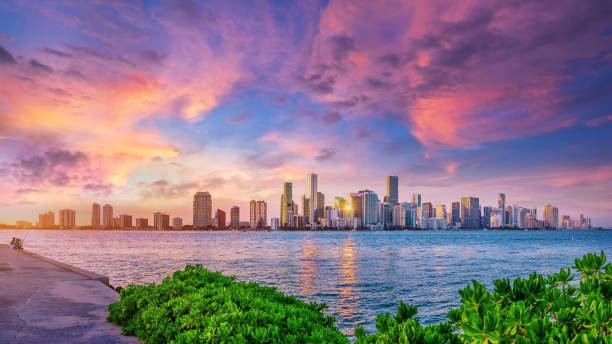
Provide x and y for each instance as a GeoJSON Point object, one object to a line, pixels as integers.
{"type": "Point", "coordinates": [43, 301]}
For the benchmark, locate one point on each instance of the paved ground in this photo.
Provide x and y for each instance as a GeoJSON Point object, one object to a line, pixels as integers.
{"type": "Point", "coordinates": [44, 303]}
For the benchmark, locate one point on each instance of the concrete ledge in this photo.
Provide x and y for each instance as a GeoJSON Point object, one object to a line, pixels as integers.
{"type": "Point", "coordinates": [82, 272]}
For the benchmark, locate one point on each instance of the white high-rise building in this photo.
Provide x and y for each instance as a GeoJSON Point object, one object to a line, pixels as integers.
{"type": "Point", "coordinates": [202, 210]}
{"type": "Point", "coordinates": [311, 196]}
{"type": "Point", "coordinates": [501, 204]}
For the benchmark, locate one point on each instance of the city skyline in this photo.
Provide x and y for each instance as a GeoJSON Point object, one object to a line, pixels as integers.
{"type": "Point", "coordinates": [142, 104]}
{"type": "Point", "coordinates": [364, 206]}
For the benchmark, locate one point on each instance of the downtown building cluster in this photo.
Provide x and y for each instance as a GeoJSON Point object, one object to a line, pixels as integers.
{"type": "Point", "coordinates": [362, 209]}
{"type": "Point", "coordinates": [365, 210]}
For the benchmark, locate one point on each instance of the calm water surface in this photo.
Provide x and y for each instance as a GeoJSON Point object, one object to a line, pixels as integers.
{"type": "Point", "coordinates": [358, 274]}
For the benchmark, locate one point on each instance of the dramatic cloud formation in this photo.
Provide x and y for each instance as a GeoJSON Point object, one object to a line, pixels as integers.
{"type": "Point", "coordinates": [144, 103]}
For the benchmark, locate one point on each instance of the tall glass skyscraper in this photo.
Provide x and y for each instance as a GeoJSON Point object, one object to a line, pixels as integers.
{"type": "Point", "coordinates": [392, 186]}
{"type": "Point", "coordinates": [470, 212]}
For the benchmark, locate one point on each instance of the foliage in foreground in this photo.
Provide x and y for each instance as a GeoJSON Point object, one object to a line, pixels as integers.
{"type": "Point", "coordinates": [527, 311]}
{"type": "Point", "coordinates": [198, 306]}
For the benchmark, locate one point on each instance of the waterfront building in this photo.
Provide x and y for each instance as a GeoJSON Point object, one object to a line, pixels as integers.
{"type": "Point", "coordinates": [455, 213]}
{"type": "Point", "coordinates": [370, 211]}
{"type": "Point", "coordinates": [220, 219]}
{"type": "Point", "coordinates": [551, 217]}
{"type": "Point", "coordinates": [441, 211]}
{"type": "Point", "coordinates": [142, 223]}
{"type": "Point", "coordinates": [486, 216]}
{"type": "Point", "coordinates": [495, 219]}
{"type": "Point", "coordinates": [258, 214]}
{"type": "Point", "coordinates": [427, 211]}
{"type": "Point", "coordinates": [356, 205]}
{"type": "Point", "coordinates": [177, 223]}
{"type": "Point", "coordinates": [320, 211]}
{"type": "Point", "coordinates": [521, 216]}
{"type": "Point", "coordinates": [46, 220]}
{"type": "Point", "coordinates": [342, 206]}
{"type": "Point", "coordinates": [311, 197]}
{"type": "Point", "coordinates": [116, 222]}
{"type": "Point", "coordinates": [67, 219]}
{"type": "Point", "coordinates": [286, 203]}
{"type": "Point", "coordinates": [386, 214]}
{"type": "Point", "coordinates": [202, 210]}
{"type": "Point", "coordinates": [305, 208]}
{"type": "Point", "coordinates": [416, 199]}
{"type": "Point", "coordinates": [501, 204]}
{"type": "Point", "coordinates": [392, 189]}
{"type": "Point", "coordinates": [125, 221]}
{"type": "Point", "coordinates": [95, 215]}
{"type": "Point", "coordinates": [515, 215]}
{"type": "Point", "coordinates": [531, 222]}
{"type": "Point", "coordinates": [235, 217]}
{"type": "Point", "coordinates": [275, 223]}
{"type": "Point", "coordinates": [161, 221]}
{"type": "Point", "coordinates": [331, 215]}
{"type": "Point", "coordinates": [107, 216]}
{"type": "Point", "coordinates": [508, 216]}
{"type": "Point", "coordinates": [470, 212]}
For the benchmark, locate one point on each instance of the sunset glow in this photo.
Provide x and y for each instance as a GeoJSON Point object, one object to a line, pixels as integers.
{"type": "Point", "coordinates": [142, 104]}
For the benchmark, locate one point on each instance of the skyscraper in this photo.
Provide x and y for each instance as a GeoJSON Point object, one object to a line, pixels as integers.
{"type": "Point", "coordinates": [551, 216]}
{"type": "Point", "coordinates": [340, 204]}
{"type": "Point", "coordinates": [416, 199]}
{"type": "Point", "coordinates": [486, 216]}
{"type": "Point", "coordinates": [107, 216]}
{"type": "Point", "coordinates": [286, 203]}
{"type": "Point", "coordinates": [356, 205]}
{"type": "Point", "coordinates": [258, 214]}
{"type": "Point", "coordinates": [501, 204]}
{"type": "Point", "coordinates": [470, 212]}
{"type": "Point", "coordinates": [95, 215]}
{"type": "Point", "coordinates": [320, 212]}
{"type": "Point", "coordinates": [311, 197]}
{"type": "Point", "coordinates": [202, 210]}
{"type": "Point", "coordinates": [427, 211]}
{"type": "Point", "coordinates": [46, 220]}
{"type": "Point", "coordinates": [392, 186]}
{"type": "Point", "coordinates": [455, 217]}
{"type": "Point", "coordinates": [235, 216]}
{"type": "Point", "coordinates": [441, 211]}
{"type": "Point", "coordinates": [66, 219]}
{"type": "Point", "coordinates": [161, 221]}
{"type": "Point", "coordinates": [370, 207]}
{"type": "Point", "coordinates": [125, 221]}
{"type": "Point", "coordinates": [220, 219]}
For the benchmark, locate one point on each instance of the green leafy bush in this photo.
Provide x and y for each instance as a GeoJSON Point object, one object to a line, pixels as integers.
{"type": "Point", "coordinates": [527, 311]}
{"type": "Point", "coordinates": [199, 306]}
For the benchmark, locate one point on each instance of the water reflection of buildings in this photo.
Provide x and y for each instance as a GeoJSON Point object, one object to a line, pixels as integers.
{"type": "Point", "coordinates": [348, 303]}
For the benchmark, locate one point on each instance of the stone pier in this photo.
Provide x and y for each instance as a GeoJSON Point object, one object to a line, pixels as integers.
{"type": "Point", "coordinates": [45, 301]}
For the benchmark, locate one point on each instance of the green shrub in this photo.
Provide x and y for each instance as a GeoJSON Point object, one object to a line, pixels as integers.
{"type": "Point", "coordinates": [198, 306]}
{"type": "Point", "coordinates": [527, 311]}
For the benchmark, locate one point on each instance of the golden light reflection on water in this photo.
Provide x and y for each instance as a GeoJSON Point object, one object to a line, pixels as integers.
{"type": "Point", "coordinates": [309, 267]}
{"type": "Point", "coordinates": [348, 304]}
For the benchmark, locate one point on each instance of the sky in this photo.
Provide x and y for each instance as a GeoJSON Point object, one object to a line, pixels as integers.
{"type": "Point", "coordinates": [142, 103]}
